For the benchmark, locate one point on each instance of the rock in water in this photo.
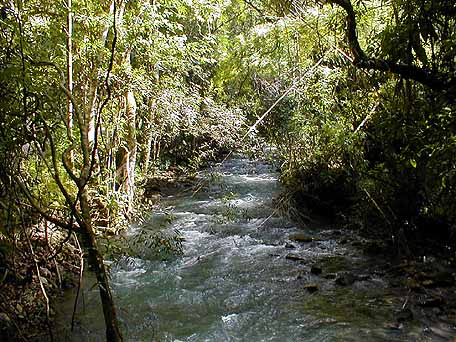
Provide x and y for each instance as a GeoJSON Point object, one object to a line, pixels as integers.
{"type": "Point", "coordinates": [289, 246]}
{"type": "Point", "coordinates": [294, 257]}
{"type": "Point", "coordinates": [301, 238]}
{"type": "Point", "coordinates": [345, 279]}
{"type": "Point", "coordinates": [311, 287]}
{"type": "Point", "coordinates": [316, 270]}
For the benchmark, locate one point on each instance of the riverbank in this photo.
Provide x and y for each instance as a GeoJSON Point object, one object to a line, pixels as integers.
{"type": "Point", "coordinates": [420, 292]}
{"type": "Point", "coordinates": [41, 270]}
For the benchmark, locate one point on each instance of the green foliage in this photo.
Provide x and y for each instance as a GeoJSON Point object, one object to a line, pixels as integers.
{"type": "Point", "coordinates": [155, 239]}
{"type": "Point", "coordinates": [410, 149]}
{"type": "Point", "coordinates": [153, 245]}
{"type": "Point", "coordinates": [347, 137]}
{"type": "Point", "coordinates": [191, 130]}
{"type": "Point", "coordinates": [398, 165]}
{"type": "Point", "coordinates": [202, 72]}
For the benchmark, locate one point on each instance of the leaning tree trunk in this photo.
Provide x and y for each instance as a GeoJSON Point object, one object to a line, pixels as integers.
{"type": "Point", "coordinates": [113, 333]}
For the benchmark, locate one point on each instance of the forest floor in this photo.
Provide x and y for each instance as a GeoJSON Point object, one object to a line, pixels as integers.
{"type": "Point", "coordinates": [24, 293]}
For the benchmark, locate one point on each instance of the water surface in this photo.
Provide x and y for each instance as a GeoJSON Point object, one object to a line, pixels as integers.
{"type": "Point", "coordinates": [234, 282]}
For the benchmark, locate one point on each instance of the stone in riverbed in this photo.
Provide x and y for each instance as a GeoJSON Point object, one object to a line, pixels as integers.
{"type": "Point", "coordinates": [311, 287]}
{"type": "Point", "coordinates": [345, 279]}
{"type": "Point", "coordinates": [289, 245]}
{"type": "Point", "coordinates": [301, 238]}
{"type": "Point", "coordinates": [316, 270]}
{"type": "Point", "coordinates": [294, 257]}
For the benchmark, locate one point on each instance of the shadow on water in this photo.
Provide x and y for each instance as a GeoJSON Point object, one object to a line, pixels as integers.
{"type": "Point", "coordinates": [245, 276]}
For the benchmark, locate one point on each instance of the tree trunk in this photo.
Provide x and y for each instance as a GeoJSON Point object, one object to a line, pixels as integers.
{"type": "Point", "coordinates": [126, 155]}
{"type": "Point", "coordinates": [69, 118]}
{"type": "Point", "coordinates": [113, 333]}
{"type": "Point", "coordinates": [131, 143]}
{"type": "Point", "coordinates": [432, 79]}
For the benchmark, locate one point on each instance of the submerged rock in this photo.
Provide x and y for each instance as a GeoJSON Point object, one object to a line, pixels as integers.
{"type": "Point", "coordinates": [404, 315]}
{"type": "Point", "coordinates": [317, 270]}
{"type": "Point", "coordinates": [311, 287]}
{"type": "Point", "coordinates": [301, 238]}
{"type": "Point", "coordinates": [345, 279]}
{"type": "Point", "coordinates": [294, 257]}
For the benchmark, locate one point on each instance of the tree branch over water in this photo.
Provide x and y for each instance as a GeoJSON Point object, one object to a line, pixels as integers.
{"type": "Point", "coordinates": [432, 79]}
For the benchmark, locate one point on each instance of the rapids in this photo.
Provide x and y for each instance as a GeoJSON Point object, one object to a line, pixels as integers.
{"type": "Point", "coordinates": [234, 282]}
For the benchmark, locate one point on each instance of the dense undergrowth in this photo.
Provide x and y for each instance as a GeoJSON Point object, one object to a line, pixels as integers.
{"type": "Point", "coordinates": [374, 149]}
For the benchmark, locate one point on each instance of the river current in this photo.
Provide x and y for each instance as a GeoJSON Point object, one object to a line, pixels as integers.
{"type": "Point", "coordinates": [234, 281]}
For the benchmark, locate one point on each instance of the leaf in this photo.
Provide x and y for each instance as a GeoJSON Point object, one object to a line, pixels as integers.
{"type": "Point", "coordinates": [413, 163]}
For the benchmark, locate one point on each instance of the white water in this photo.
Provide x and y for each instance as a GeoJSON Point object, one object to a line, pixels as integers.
{"type": "Point", "coordinates": [233, 282]}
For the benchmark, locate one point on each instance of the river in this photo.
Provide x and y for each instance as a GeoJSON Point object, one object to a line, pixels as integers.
{"type": "Point", "coordinates": [242, 278]}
